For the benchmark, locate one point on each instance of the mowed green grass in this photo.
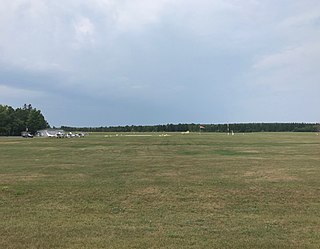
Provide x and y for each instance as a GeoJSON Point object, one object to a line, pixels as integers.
{"type": "Point", "coordinates": [259, 190]}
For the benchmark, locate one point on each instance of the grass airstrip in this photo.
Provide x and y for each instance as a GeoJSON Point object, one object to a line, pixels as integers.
{"type": "Point", "coordinates": [209, 190]}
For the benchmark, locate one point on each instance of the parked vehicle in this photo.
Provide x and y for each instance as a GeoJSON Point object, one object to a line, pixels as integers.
{"type": "Point", "coordinates": [26, 134]}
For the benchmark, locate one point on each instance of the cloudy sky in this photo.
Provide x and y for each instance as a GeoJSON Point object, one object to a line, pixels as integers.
{"type": "Point", "coordinates": [118, 62]}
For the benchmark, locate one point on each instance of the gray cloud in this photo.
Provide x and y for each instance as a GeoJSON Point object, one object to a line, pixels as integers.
{"type": "Point", "coordinates": [143, 61]}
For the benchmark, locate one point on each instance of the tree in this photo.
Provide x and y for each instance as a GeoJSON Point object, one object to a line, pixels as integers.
{"type": "Point", "coordinates": [6, 120]}
{"type": "Point", "coordinates": [35, 121]}
{"type": "Point", "coordinates": [13, 122]}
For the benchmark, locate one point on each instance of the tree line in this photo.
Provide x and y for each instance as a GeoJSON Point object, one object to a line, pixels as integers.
{"type": "Point", "coordinates": [14, 121]}
{"type": "Point", "coordinates": [237, 127]}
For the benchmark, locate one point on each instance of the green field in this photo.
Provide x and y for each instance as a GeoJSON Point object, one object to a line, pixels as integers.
{"type": "Point", "coordinates": [259, 190]}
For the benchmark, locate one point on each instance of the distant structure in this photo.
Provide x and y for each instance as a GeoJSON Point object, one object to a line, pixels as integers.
{"type": "Point", "coordinates": [50, 133]}
{"type": "Point", "coordinates": [26, 134]}
{"type": "Point", "coordinates": [185, 132]}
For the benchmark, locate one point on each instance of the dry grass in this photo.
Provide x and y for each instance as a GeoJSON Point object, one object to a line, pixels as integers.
{"type": "Point", "coordinates": [272, 175]}
{"type": "Point", "coordinates": [180, 191]}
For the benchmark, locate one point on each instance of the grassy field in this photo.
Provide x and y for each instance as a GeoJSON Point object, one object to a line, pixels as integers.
{"type": "Point", "coordinates": [259, 190]}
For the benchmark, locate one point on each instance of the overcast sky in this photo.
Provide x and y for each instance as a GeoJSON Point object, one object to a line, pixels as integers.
{"type": "Point", "coordinates": [119, 62]}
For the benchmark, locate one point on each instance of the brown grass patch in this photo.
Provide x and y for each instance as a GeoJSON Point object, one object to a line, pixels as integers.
{"type": "Point", "coordinates": [169, 174]}
{"type": "Point", "coordinates": [149, 191]}
{"type": "Point", "coordinates": [12, 178]}
{"type": "Point", "coordinates": [271, 175]}
{"type": "Point", "coordinates": [10, 142]}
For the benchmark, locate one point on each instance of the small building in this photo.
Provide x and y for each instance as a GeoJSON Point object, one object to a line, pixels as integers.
{"type": "Point", "coordinates": [50, 133]}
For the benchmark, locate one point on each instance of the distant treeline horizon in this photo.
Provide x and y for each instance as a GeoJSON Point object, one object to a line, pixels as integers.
{"type": "Point", "coordinates": [235, 127]}
{"type": "Point", "coordinates": [14, 121]}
